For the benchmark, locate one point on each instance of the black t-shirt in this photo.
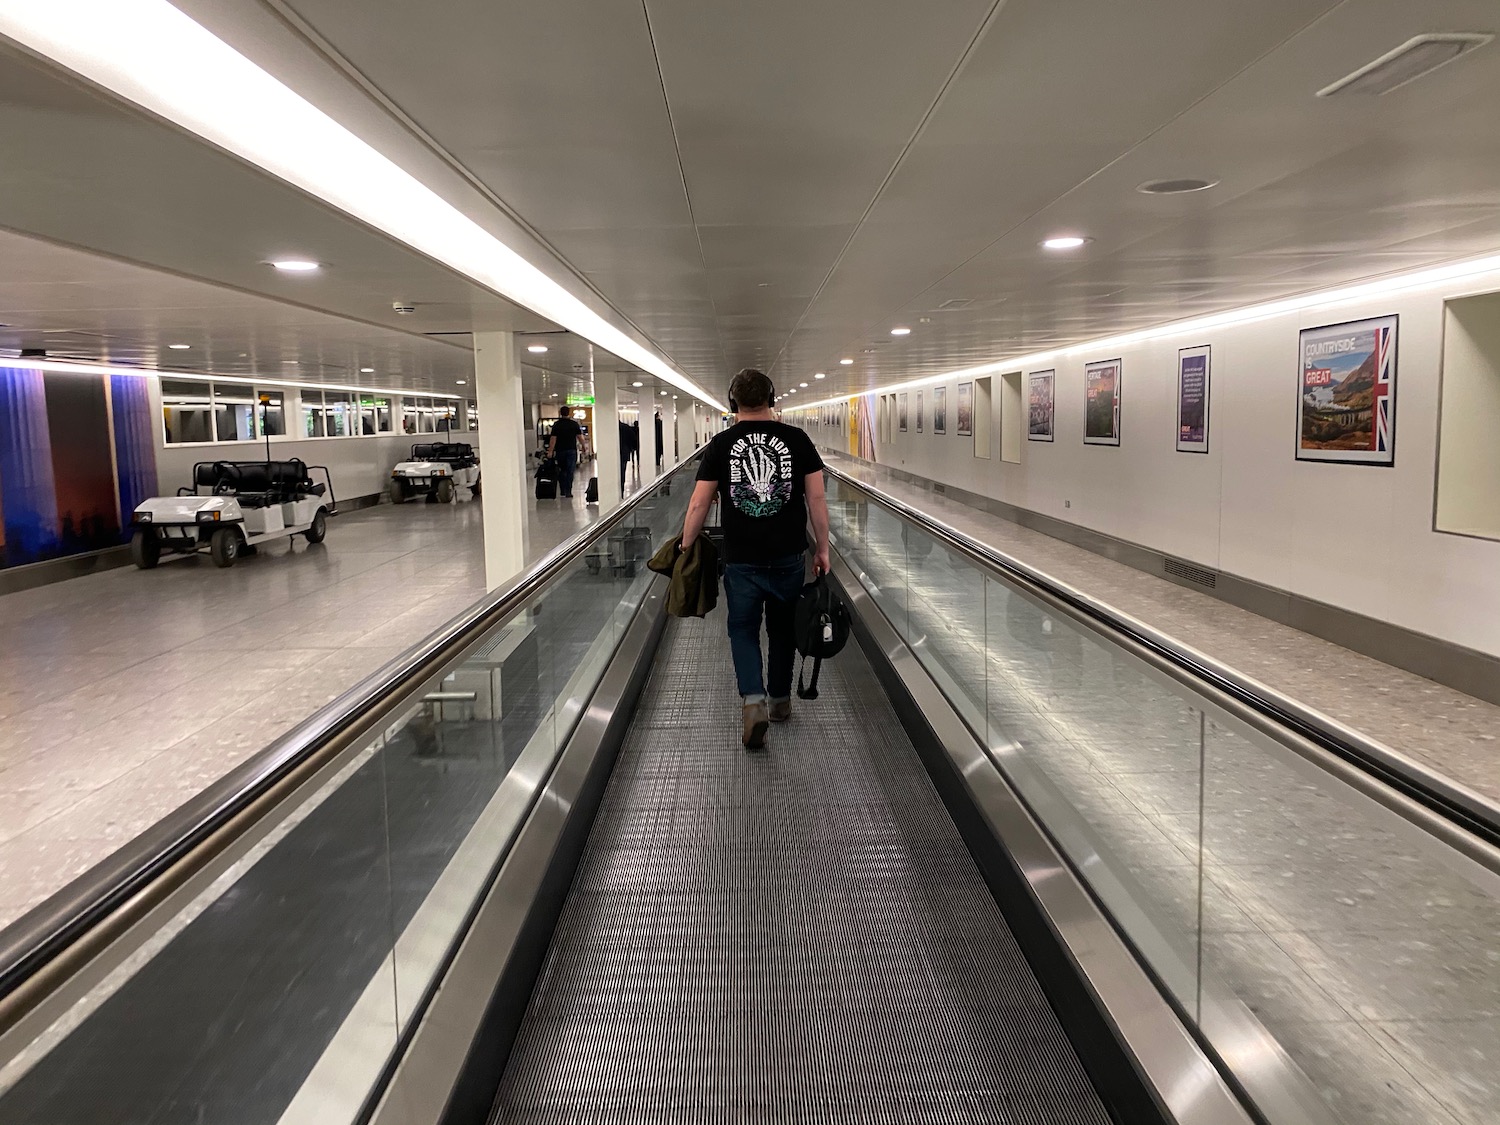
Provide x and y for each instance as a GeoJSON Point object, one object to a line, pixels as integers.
{"type": "Point", "coordinates": [566, 431]}
{"type": "Point", "coordinates": [761, 470]}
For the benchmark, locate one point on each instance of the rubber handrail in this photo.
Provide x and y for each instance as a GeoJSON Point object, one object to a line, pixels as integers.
{"type": "Point", "coordinates": [1457, 804]}
{"type": "Point", "coordinates": [42, 934]}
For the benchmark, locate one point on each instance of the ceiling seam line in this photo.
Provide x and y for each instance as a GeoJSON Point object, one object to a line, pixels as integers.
{"type": "Point", "coordinates": [1132, 147]}
{"type": "Point", "coordinates": [921, 127]}
{"type": "Point", "coordinates": [300, 27]}
{"type": "Point", "coordinates": [687, 195]}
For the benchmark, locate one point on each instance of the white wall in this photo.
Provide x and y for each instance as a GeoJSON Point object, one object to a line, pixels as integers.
{"type": "Point", "coordinates": [1358, 537]}
{"type": "Point", "coordinates": [359, 466]}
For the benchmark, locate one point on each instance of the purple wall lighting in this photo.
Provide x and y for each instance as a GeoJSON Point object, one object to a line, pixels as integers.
{"type": "Point", "coordinates": [28, 497]}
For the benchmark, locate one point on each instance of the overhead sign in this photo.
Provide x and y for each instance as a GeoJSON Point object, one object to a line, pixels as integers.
{"type": "Point", "coordinates": [580, 400]}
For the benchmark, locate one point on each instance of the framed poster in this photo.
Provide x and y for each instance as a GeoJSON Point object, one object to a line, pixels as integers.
{"type": "Point", "coordinates": [1041, 401]}
{"type": "Point", "coordinates": [1346, 401]}
{"type": "Point", "coordinates": [965, 410]}
{"type": "Point", "coordinates": [1192, 400]}
{"type": "Point", "coordinates": [1101, 403]}
{"type": "Point", "coordinates": [940, 410]}
{"type": "Point", "coordinates": [901, 411]}
{"type": "Point", "coordinates": [919, 412]}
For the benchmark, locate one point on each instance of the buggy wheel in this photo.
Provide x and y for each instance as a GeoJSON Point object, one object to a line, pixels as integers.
{"type": "Point", "coordinates": [224, 546]}
{"type": "Point", "coordinates": [319, 527]}
{"type": "Point", "coordinates": [398, 492]}
{"type": "Point", "coordinates": [474, 488]}
{"type": "Point", "coordinates": [444, 490]}
{"type": "Point", "coordinates": [145, 548]}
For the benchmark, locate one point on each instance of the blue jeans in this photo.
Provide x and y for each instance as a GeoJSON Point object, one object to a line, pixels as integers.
{"type": "Point", "coordinates": [567, 463]}
{"type": "Point", "coordinates": [751, 589]}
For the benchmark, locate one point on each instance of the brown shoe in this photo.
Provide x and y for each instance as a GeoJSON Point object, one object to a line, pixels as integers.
{"type": "Point", "coordinates": [756, 722]}
{"type": "Point", "coordinates": [781, 710]}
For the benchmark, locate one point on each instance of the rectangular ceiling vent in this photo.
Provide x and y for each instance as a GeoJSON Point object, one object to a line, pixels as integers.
{"type": "Point", "coordinates": [1187, 572]}
{"type": "Point", "coordinates": [955, 303]}
{"type": "Point", "coordinates": [1408, 62]}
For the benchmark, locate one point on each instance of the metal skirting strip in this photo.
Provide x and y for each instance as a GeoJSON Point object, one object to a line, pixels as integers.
{"type": "Point", "coordinates": [15, 579]}
{"type": "Point", "coordinates": [449, 1071]}
{"type": "Point", "coordinates": [797, 934]}
{"type": "Point", "coordinates": [1463, 669]}
{"type": "Point", "coordinates": [1129, 1035]}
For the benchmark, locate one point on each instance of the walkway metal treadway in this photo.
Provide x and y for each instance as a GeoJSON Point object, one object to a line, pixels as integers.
{"type": "Point", "coordinates": [800, 933]}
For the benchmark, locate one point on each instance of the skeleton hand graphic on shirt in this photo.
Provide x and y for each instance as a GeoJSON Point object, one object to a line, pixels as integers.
{"type": "Point", "coordinates": [760, 472]}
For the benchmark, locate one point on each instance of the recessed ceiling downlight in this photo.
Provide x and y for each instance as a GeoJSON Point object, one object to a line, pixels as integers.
{"type": "Point", "coordinates": [901, 331]}
{"type": "Point", "coordinates": [536, 349]}
{"type": "Point", "coordinates": [295, 265]}
{"type": "Point", "coordinates": [637, 384]}
{"type": "Point", "coordinates": [1064, 242]}
{"type": "Point", "coordinates": [179, 347]}
{"type": "Point", "coordinates": [821, 375]}
{"type": "Point", "coordinates": [1175, 187]}
{"type": "Point", "coordinates": [1418, 56]}
{"type": "Point", "coordinates": [846, 361]}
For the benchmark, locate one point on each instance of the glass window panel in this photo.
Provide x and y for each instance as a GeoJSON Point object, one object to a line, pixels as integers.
{"type": "Point", "coordinates": [338, 414]}
{"type": "Point", "coordinates": [312, 414]}
{"type": "Point", "coordinates": [424, 416]}
{"type": "Point", "coordinates": [234, 412]}
{"type": "Point", "coordinates": [187, 411]}
{"type": "Point", "coordinates": [366, 415]}
{"type": "Point", "coordinates": [410, 412]}
{"type": "Point", "coordinates": [382, 415]}
{"type": "Point", "coordinates": [272, 412]}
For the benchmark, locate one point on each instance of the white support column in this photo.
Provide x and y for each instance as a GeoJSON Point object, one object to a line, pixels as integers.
{"type": "Point", "coordinates": [648, 438]}
{"type": "Point", "coordinates": [497, 386]}
{"type": "Point", "coordinates": [682, 428]}
{"type": "Point", "coordinates": [607, 440]}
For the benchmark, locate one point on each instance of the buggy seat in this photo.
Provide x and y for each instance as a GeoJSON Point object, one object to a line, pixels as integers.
{"type": "Point", "coordinates": [456, 454]}
{"type": "Point", "coordinates": [257, 484]}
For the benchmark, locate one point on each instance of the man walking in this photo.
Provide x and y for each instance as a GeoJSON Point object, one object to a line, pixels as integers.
{"type": "Point", "coordinates": [563, 447]}
{"type": "Point", "coordinates": [769, 478]}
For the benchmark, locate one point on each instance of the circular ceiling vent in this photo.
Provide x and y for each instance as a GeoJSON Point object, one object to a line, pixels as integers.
{"type": "Point", "coordinates": [1175, 187]}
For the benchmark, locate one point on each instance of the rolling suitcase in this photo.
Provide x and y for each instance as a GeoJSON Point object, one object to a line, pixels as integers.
{"type": "Point", "coordinates": [591, 493]}
{"type": "Point", "coordinates": [546, 480]}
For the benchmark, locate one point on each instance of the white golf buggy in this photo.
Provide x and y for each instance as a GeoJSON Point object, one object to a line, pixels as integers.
{"type": "Point", "coordinates": [246, 503]}
{"type": "Point", "coordinates": [437, 470]}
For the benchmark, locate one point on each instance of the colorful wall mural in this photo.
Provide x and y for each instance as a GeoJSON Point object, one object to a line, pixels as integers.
{"type": "Point", "coordinates": [77, 454]}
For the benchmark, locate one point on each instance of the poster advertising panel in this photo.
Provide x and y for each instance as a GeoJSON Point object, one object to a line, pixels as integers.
{"type": "Point", "coordinates": [1041, 387]}
{"type": "Point", "coordinates": [1101, 403]}
{"type": "Point", "coordinates": [901, 411]}
{"type": "Point", "coordinates": [919, 412]}
{"type": "Point", "coordinates": [1346, 402]}
{"type": "Point", "coordinates": [965, 409]}
{"type": "Point", "coordinates": [1192, 400]}
{"type": "Point", "coordinates": [940, 410]}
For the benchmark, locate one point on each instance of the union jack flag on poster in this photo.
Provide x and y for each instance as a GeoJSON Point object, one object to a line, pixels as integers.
{"type": "Point", "coordinates": [1346, 405]}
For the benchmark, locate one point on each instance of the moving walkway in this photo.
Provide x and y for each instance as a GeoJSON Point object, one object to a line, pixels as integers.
{"type": "Point", "coordinates": [1022, 861]}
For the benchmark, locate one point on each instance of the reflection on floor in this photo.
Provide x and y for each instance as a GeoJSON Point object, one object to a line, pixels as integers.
{"type": "Point", "coordinates": [124, 694]}
{"type": "Point", "coordinates": [1371, 954]}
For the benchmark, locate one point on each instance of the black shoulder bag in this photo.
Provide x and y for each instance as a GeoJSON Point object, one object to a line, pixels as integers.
{"type": "Point", "coordinates": [821, 623]}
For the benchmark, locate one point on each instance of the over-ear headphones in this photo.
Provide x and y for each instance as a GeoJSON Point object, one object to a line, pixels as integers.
{"type": "Point", "coordinates": [734, 407]}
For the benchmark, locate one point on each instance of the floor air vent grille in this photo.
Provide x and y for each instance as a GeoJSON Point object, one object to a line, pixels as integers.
{"type": "Point", "coordinates": [1190, 573]}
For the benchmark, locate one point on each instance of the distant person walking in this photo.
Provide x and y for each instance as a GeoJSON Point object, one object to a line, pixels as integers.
{"type": "Point", "coordinates": [769, 479]}
{"type": "Point", "coordinates": [658, 443]}
{"type": "Point", "coordinates": [562, 446]}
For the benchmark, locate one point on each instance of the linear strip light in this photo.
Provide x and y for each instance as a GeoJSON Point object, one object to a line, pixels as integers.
{"type": "Point", "coordinates": [1396, 283]}
{"type": "Point", "coordinates": [150, 53]}
{"type": "Point", "coordinates": [66, 368]}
